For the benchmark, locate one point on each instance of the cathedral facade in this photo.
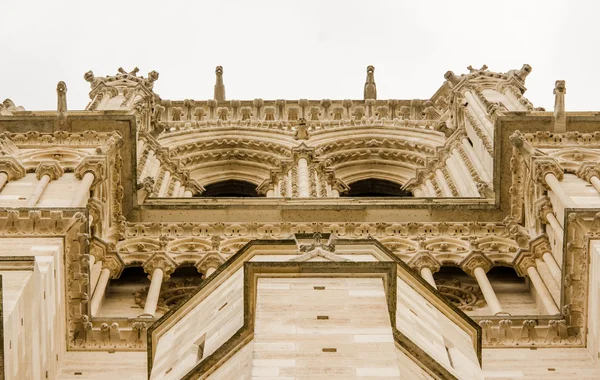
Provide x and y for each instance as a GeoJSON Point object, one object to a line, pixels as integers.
{"type": "Point", "coordinates": [455, 237]}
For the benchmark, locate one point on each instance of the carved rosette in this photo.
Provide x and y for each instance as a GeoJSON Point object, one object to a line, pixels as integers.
{"type": "Point", "coordinates": [160, 260]}
{"type": "Point", "coordinates": [424, 259]}
{"type": "Point", "coordinates": [542, 166]}
{"type": "Point", "coordinates": [12, 167]}
{"type": "Point", "coordinates": [50, 168]}
{"type": "Point", "coordinates": [588, 169]}
{"type": "Point", "coordinates": [95, 165]}
{"type": "Point", "coordinates": [476, 259]}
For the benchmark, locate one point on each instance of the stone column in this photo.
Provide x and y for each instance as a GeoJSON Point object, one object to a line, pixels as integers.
{"type": "Point", "coordinates": [140, 149]}
{"type": "Point", "coordinates": [90, 171]}
{"type": "Point", "coordinates": [470, 152]}
{"type": "Point", "coordinates": [210, 263]}
{"type": "Point", "coordinates": [525, 265]}
{"type": "Point", "coordinates": [474, 106]}
{"type": "Point", "coordinates": [3, 179]}
{"type": "Point", "coordinates": [476, 265]}
{"type": "Point", "coordinates": [430, 188]}
{"type": "Point", "coordinates": [457, 177]}
{"type": "Point", "coordinates": [147, 165]}
{"type": "Point", "coordinates": [548, 173]}
{"type": "Point", "coordinates": [439, 175]}
{"type": "Point", "coordinates": [469, 181]}
{"type": "Point", "coordinates": [45, 172]}
{"type": "Point", "coordinates": [418, 193]}
{"type": "Point", "coordinates": [153, 292]}
{"type": "Point", "coordinates": [181, 191]}
{"type": "Point", "coordinates": [164, 186]}
{"type": "Point", "coordinates": [176, 189]}
{"type": "Point", "coordinates": [99, 292]}
{"type": "Point", "coordinates": [303, 182]}
{"type": "Point", "coordinates": [544, 272]}
{"type": "Point", "coordinates": [159, 268]}
{"type": "Point", "coordinates": [552, 266]}
{"type": "Point", "coordinates": [187, 193]}
{"type": "Point", "coordinates": [426, 265]}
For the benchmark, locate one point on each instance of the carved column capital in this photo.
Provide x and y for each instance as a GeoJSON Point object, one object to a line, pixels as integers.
{"type": "Point", "coordinates": [211, 260]}
{"type": "Point", "coordinates": [193, 186]}
{"type": "Point", "coordinates": [12, 167]}
{"type": "Point", "coordinates": [50, 168]}
{"type": "Point", "coordinates": [424, 259]}
{"type": "Point", "coordinates": [476, 259]}
{"type": "Point", "coordinates": [588, 169]}
{"type": "Point", "coordinates": [94, 165]}
{"type": "Point", "coordinates": [543, 208]}
{"type": "Point", "coordinates": [160, 260]}
{"type": "Point", "coordinates": [539, 246]}
{"type": "Point", "coordinates": [114, 263]}
{"type": "Point", "coordinates": [524, 259]}
{"type": "Point", "coordinates": [542, 166]}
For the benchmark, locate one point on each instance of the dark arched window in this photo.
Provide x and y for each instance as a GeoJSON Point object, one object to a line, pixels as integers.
{"type": "Point", "coordinates": [230, 188]}
{"type": "Point", "coordinates": [373, 187]}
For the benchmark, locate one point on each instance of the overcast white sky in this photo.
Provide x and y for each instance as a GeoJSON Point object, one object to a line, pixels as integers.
{"type": "Point", "coordinates": [296, 49]}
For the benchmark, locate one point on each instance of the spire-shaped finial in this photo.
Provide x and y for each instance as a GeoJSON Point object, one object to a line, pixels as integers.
{"type": "Point", "coordinates": [219, 86]}
{"type": "Point", "coordinates": [370, 87]}
{"type": "Point", "coordinates": [61, 108]}
{"type": "Point", "coordinates": [560, 118]}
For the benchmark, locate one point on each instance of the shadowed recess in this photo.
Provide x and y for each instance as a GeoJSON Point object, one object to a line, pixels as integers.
{"type": "Point", "coordinates": [373, 187]}
{"type": "Point", "coordinates": [230, 188]}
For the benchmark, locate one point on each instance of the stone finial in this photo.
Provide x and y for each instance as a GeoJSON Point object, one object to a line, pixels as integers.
{"type": "Point", "coordinates": [61, 109]}
{"type": "Point", "coordinates": [560, 118]}
{"type": "Point", "coordinates": [370, 87]}
{"type": "Point", "coordinates": [451, 78]}
{"type": "Point", "coordinates": [50, 168]}
{"type": "Point", "coordinates": [219, 94]}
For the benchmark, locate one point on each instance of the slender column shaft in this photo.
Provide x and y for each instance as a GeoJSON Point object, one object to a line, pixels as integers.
{"type": "Point", "coordinates": [153, 292]}
{"type": "Point", "coordinates": [187, 193]}
{"type": "Point", "coordinates": [83, 190]}
{"type": "Point", "coordinates": [428, 276]}
{"type": "Point", "coordinates": [551, 285]}
{"type": "Point", "coordinates": [443, 184]}
{"type": "Point", "coordinates": [487, 290]}
{"type": "Point", "coordinates": [430, 188]}
{"type": "Point", "coordinates": [164, 186]}
{"type": "Point", "coordinates": [181, 191]}
{"type": "Point", "coordinates": [3, 179]}
{"type": "Point", "coordinates": [270, 193]}
{"type": "Point", "coordinates": [176, 189]}
{"type": "Point", "coordinates": [303, 183]}
{"type": "Point", "coordinates": [335, 193]}
{"type": "Point", "coordinates": [210, 271]}
{"type": "Point", "coordinates": [100, 290]}
{"type": "Point", "coordinates": [466, 173]}
{"type": "Point", "coordinates": [595, 181]}
{"type": "Point", "coordinates": [140, 149]}
{"type": "Point", "coordinates": [455, 173]}
{"type": "Point", "coordinates": [418, 193]}
{"type": "Point", "coordinates": [552, 266]}
{"type": "Point", "coordinates": [558, 230]}
{"type": "Point", "coordinates": [39, 190]}
{"type": "Point", "coordinates": [476, 161]}
{"type": "Point", "coordinates": [557, 189]}
{"type": "Point", "coordinates": [479, 113]}
{"type": "Point", "coordinates": [542, 291]}
{"type": "Point", "coordinates": [147, 165]}
{"type": "Point", "coordinates": [95, 271]}
{"type": "Point", "coordinates": [513, 100]}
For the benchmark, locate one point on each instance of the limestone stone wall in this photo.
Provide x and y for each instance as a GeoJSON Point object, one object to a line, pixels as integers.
{"type": "Point", "coordinates": [58, 193]}
{"type": "Point", "coordinates": [34, 315]}
{"type": "Point", "coordinates": [594, 301]}
{"type": "Point", "coordinates": [214, 320]}
{"type": "Point", "coordinates": [339, 330]}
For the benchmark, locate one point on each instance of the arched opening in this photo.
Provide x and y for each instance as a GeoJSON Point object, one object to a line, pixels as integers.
{"type": "Point", "coordinates": [373, 187]}
{"type": "Point", "coordinates": [118, 299]}
{"type": "Point", "coordinates": [230, 188]}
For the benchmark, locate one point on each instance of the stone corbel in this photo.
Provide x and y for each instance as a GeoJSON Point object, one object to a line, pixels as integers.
{"type": "Point", "coordinates": [93, 164]}
{"type": "Point", "coordinates": [50, 168]}
{"type": "Point", "coordinates": [160, 260]}
{"type": "Point", "coordinates": [524, 259]}
{"type": "Point", "coordinates": [588, 169]}
{"type": "Point", "coordinates": [114, 263]}
{"type": "Point", "coordinates": [211, 262]}
{"type": "Point", "coordinates": [543, 208]}
{"type": "Point", "coordinates": [193, 186]}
